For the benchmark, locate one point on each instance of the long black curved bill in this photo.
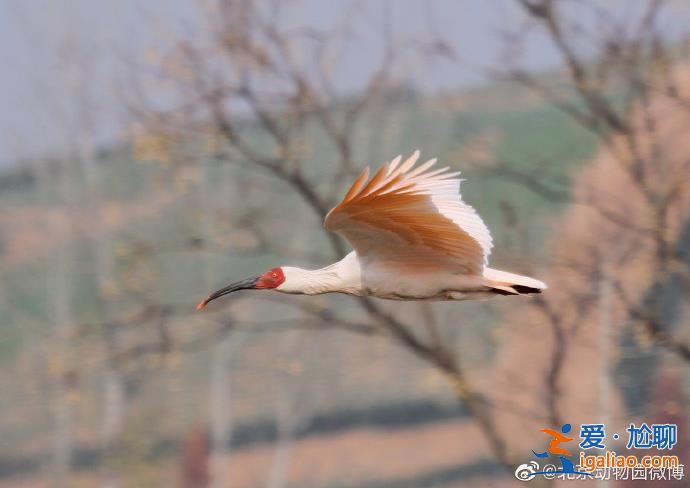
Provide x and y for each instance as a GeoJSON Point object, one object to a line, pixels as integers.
{"type": "Point", "coordinates": [248, 284]}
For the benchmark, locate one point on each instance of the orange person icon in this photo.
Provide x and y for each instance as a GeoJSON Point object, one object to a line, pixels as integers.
{"type": "Point", "coordinates": [556, 439]}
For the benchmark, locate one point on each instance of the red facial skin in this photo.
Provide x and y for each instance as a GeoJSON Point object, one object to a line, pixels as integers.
{"type": "Point", "coordinates": [272, 278]}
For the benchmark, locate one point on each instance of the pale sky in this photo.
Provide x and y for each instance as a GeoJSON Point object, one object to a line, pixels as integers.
{"type": "Point", "coordinates": [43, 102]}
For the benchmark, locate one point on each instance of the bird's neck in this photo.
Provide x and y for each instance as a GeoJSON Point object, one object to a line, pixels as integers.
{"type": "Point", "coordinates": [317, 281]}
{"type": "Point", "coordinates": [341, 276]}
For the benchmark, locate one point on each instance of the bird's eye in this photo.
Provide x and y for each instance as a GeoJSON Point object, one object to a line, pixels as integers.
{"type": "Point", "coordinates": [274, 275]}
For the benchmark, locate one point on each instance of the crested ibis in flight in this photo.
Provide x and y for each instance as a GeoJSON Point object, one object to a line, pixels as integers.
{"type": "Point", "coordinates": [413, 238]}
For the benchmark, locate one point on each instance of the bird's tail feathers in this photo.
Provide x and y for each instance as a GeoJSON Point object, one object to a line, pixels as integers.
{"type": "Point", "coordinates": [505, 283]}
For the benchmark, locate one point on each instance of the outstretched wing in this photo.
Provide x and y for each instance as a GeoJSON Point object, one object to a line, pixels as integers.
{"type": "Point", "coordinates": [412, 216]}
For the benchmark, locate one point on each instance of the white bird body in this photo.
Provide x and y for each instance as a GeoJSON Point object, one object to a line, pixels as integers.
{"type": "Point", "coordinates": [414, 239]}
{"type": "Point", "coordinates": [352, 276]}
